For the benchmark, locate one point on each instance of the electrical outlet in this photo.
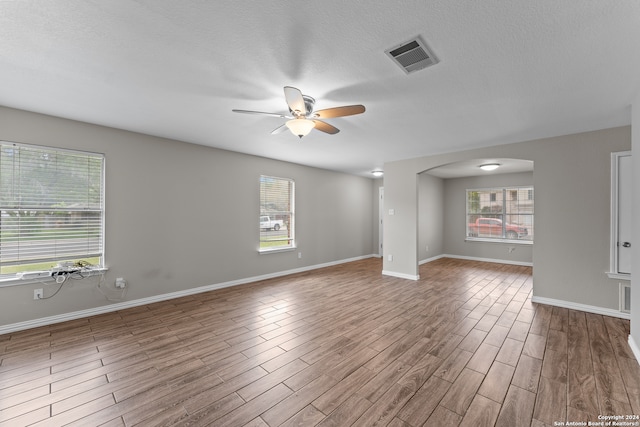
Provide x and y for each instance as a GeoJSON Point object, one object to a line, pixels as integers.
{"type": "Point", "coordinates": [389, 257]}
{"type": "Point", "coordinates": [38, 294]}
{"type": "Point", "coordinates": [120, 283]}
{"type": "Point", "coordinates": [299, 255]}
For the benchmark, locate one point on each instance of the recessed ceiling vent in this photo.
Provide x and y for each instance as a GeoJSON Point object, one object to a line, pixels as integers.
{"type": "Point", "coordinates": [412, 56]}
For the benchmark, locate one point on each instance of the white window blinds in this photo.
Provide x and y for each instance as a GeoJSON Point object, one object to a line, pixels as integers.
{"type": "Point", "coordinates": [276, 213]}
{"type": "Point", "coordinates": [51, 207]}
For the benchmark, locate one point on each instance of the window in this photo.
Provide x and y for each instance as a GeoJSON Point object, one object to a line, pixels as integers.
{"type": "Point", "coordinates": [500, 214]}
{"type": "Point", "coordinates": [276, 213]}
{"type": "Point", "coordinates": [51, 207]}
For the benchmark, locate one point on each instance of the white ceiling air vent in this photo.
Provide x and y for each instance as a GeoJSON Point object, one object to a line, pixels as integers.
{"type": "Point", "coordinates": [412, 56]}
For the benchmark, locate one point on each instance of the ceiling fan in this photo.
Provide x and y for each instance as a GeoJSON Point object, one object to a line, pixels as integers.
{"type": "Point", "coordinates": [302, 118]}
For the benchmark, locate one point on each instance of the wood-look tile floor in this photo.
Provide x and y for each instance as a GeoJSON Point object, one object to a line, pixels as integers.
{"type": "Point", "coordinates": [340, 346]}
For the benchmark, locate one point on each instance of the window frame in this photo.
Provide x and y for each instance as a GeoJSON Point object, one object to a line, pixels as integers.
{"type": "Point", "coordinates": [290, 227]}
{"type": "Point", "coordinates": [99, 253]}
{"type": "Point", "coordinates": [504, 190]}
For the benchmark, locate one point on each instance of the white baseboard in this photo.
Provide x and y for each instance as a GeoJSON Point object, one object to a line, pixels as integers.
{"type": "Point", "coordinates": [44, 321]}
{"type": "Point", "coordinates": [497, 261]}
{"type": "Point", "coordinates": [581, 307]}
{"type": "Point", "coordinates": [401, 275]}
{"type": "Point", "coordinates": [435, 258]}
{"type": "Point", "coordinates": [634, 348]}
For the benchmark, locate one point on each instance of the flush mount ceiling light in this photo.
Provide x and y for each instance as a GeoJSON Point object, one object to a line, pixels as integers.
{"type": "Point", "coordinates": [490, 166]}
{"type": "Point", "coordinates": [377, 172]}
{"type": "Point", "coordinates": [300, 127]}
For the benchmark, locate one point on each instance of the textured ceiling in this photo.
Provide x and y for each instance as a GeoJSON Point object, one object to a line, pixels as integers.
{"type": "Point", "coordinates": [508, 71]}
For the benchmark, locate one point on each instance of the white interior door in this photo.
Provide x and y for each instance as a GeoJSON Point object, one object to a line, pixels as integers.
{"type": "Point", "coordinates": [625, 180]}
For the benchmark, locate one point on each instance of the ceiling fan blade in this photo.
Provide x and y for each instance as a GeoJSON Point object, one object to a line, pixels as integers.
{"type": "Point", "coordinates": [348, 110]}
{"type": "Point", "coordinates": [279, 129]}
{"type": "Point", "coordinates": [295, 100]}
{"type": "Point", "coordinates": [282, 116]}
{"type": "Point", "coordinates": [326, 127]}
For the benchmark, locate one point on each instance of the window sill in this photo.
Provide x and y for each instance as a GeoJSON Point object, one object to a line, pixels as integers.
{"type": "Point", "coordinates": [504, 241]}
{"type": "Point", "coordinates": [276, 250]}
{"type": "Point", "coordinates": [618, 276]}
{"type": "Point", "coordinates": [15, 281]}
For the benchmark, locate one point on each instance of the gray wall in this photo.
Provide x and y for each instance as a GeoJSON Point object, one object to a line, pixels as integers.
{"type": "Point", "coordinates": [572, 185]}
{"type": "Point", "coordinates": [180, 216]}
{"type": "Point", "coordinates": [455, 219]}
{"type": "Point", "coordinates": [431, 216]}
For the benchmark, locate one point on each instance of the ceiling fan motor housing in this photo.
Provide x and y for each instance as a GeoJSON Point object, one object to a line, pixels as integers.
{"type": "Point", "coordinates": [309, 103]}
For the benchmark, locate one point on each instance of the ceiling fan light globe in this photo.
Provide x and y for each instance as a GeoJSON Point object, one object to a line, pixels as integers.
{"type": "Point", "coordinates": [300, 127]}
